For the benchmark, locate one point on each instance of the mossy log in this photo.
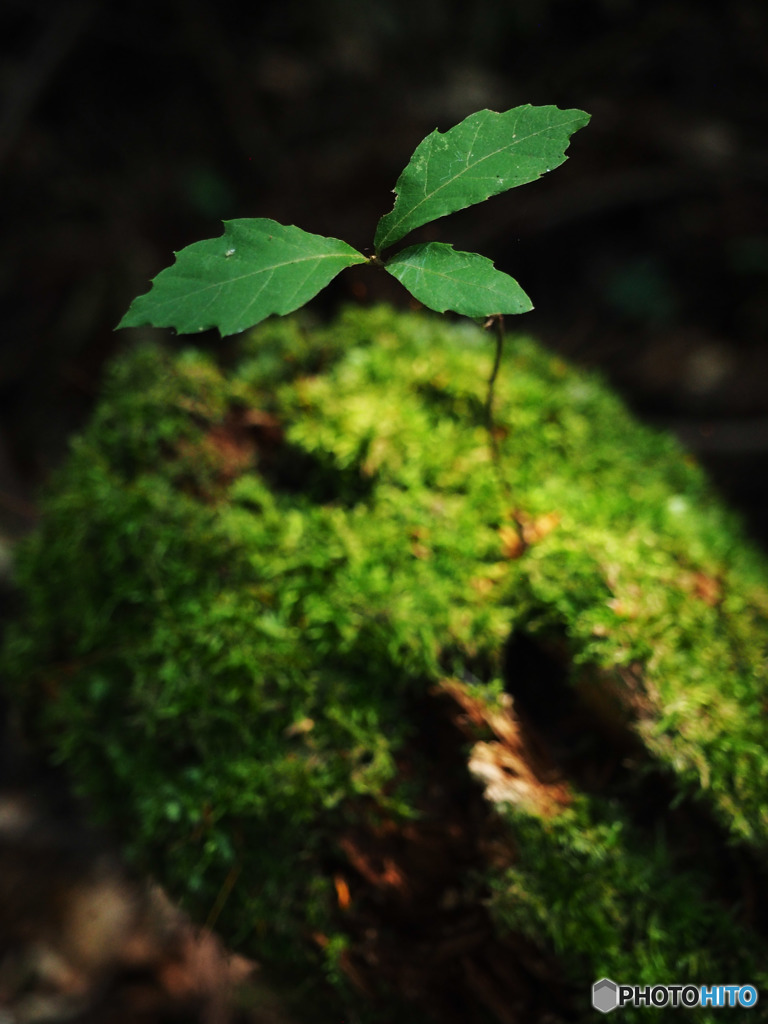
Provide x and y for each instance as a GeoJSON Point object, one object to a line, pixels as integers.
{"type": "Point", "coordinates": [437, 729]}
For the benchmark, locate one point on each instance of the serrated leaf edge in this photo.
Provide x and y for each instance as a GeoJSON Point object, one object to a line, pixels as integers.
{"type": "Point", "coordinates": [447, 277]}
{"type": "Point", "coordinates": [389, 240]}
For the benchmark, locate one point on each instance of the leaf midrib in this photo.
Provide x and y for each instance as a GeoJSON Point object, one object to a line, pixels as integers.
{"type": "Point", "coordinates": [276, 266]}
{"type": "Point", "coordinates": [452, 278]}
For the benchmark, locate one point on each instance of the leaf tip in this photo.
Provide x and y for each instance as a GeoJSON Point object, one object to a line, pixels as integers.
{"type": "Point", "coordinates": [128, 319]}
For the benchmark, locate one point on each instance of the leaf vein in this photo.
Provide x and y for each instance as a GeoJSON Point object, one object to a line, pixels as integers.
{"type": "Point", "coordinates": [450, 181]}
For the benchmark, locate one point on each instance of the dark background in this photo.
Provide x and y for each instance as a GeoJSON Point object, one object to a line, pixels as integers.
{"type": "Point", "coordinates": [130, 130]}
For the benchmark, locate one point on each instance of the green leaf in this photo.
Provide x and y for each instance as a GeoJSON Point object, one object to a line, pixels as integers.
{"type": "Point", "coordinates": [442, 278]}
{"type": "Point", "coordinates": [485, 154]}
{"type": "Point", "coordinates": [256, 268]}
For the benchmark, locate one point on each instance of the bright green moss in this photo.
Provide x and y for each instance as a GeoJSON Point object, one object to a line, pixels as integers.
{"type": "Point", "coordinates": [246, 584]}
{"type": "Point", "coordinates": [613, 904]}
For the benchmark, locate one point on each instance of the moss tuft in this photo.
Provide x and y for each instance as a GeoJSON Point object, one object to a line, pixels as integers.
{"type": "Point", "coordinates": [249, 587]}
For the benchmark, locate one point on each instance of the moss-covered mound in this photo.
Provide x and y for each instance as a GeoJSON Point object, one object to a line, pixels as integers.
{"type": "Point", "coordinates": [433, 735]}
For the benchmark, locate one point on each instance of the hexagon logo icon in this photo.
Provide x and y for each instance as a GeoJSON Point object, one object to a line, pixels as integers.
{"type": "Point", "coordinates": [605, 995]}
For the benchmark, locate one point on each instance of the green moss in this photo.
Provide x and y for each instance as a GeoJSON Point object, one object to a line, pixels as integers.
{"type": "Point", "coordinates": [247, 583]}
{"type": "Point", "coordinates": [613, 903]}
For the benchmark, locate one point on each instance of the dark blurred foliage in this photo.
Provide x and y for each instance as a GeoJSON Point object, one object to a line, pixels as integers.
{"type": "Point", "coordinates": [130, 130]}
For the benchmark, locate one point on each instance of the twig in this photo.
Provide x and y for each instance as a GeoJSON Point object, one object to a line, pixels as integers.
{"type": "Point", "coordinates": [223, 896]}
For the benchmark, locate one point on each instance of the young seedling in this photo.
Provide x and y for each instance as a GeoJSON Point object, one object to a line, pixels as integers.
{"type": "Point", "coordinates": [259, 267]}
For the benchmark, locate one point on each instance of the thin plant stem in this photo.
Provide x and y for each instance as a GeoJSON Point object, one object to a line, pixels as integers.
{"type": "Point", "coordinates": [497, 323]}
